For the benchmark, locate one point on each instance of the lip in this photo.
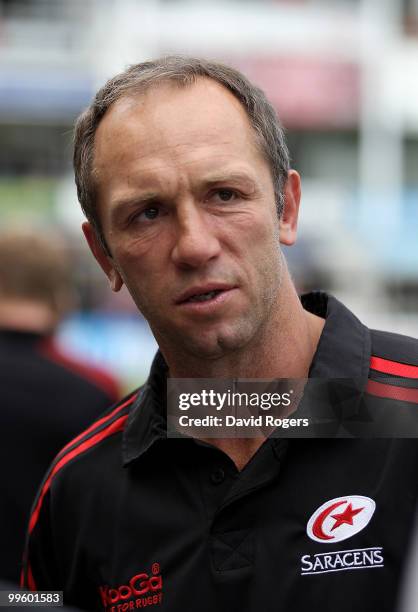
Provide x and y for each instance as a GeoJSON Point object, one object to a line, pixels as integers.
{"type": "Point", "coordinates": [200, 289]}
{"type": "Point", "coordinates": [208, 308]}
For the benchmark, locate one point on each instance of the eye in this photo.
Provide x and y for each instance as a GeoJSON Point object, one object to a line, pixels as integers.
{"type": "Point", "coordinates": [150, 213]}
{"type": "Point", "coordinates": [147, 214]}
{"type": "Point", "coordinates": [225, 195]}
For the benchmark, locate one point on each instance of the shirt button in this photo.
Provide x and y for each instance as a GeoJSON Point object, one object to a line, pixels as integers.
{"type": "Point", "coordinates": [218, 476]}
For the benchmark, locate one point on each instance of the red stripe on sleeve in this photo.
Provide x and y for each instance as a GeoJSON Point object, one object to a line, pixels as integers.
{"type": "Point", "coordinates": [402, 394]}
{"type": "Point", "coordinates": [98, 423]}
{"type": "Point", "coordinates": [393, 367]}
{"type": "Point", "coordinates": [114, 427]}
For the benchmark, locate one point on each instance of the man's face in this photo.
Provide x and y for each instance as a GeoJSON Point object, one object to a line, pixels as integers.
{"type": "Point", "coordinates": [187, 207]}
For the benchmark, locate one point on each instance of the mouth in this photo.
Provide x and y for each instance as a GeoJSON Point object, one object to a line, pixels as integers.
{"type": "Point", "coordinates": [204, 297]}
{"type": "Point", "coordinates": [203, 294]}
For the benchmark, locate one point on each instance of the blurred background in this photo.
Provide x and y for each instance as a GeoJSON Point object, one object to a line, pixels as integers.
{"type": "Point", "coordinates": [343, 75]}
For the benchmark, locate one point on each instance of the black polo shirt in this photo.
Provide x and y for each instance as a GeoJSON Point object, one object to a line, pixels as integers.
{"type": "Point", "coordinates": [128, 519]}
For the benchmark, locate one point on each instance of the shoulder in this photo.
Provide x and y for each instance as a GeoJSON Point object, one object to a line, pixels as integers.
{"type": "Point", "coordinates": [393, 373]}
{"type": "Point", "coordinates": [109, 427]}
{"type": "Point", "coordinates": [111, 422]}
{"type": "Point", "coordinates": [393, 353]}
{"type": "Point", "coordinates": [64, 501]}
{"type": "Point", "coordinates": [394, 346]}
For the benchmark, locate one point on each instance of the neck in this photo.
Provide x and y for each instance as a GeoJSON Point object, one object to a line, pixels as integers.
{"type": "Point", "coordinates": [26, 315]}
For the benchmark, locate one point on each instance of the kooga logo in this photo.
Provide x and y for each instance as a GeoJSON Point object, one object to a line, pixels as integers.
{"type": "Point", "coordinates": [139, 586]}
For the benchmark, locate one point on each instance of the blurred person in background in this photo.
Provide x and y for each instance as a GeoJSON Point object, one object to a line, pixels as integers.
{"type": "Point", "coordinates": [46, 397]}
{"type": "Point", "coordinates": [184, 175]}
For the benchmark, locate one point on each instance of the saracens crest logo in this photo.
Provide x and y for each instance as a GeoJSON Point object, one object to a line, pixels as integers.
{"type": "Point", "coordinates": [336, 520]}
{"type": "Point", "coordinates": [340, 518]}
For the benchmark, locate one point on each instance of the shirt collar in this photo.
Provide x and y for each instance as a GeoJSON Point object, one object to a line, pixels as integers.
{"type": "Point", "coordinates": [344, 347]}
{"type": "Point", "coordinates": [147, 419]}
{"type": "Point", "coordinates": [343, 352]}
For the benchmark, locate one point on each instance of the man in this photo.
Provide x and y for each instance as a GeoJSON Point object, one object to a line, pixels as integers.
{"type": "Point", "coordinates": [46, 398]}
{"type": "Point", "coordinates": [183, 173]}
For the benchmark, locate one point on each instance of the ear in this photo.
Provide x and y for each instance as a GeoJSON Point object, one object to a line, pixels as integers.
{"type": "Point", "coordinates": [290, 214]}
{"type": "Point", "coordinates": [105, 261]}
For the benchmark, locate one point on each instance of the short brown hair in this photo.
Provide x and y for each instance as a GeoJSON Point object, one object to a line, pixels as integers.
{"type": "Point", "coordinates": [184, 71]}
{"type": "Point", "coordinates": [33, 267]}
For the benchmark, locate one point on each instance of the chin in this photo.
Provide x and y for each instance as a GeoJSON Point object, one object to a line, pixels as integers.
{"type": "Point", "coordinates": [216, 346]}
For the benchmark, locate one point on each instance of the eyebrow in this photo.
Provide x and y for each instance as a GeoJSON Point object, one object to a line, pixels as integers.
{"type": "Point", "coordinates": [229, 176]}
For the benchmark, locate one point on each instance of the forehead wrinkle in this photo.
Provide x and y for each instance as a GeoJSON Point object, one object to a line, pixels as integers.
{"type": "Point", "coordinates": [171, 160]}
{"type": "Point", "coordinates": [153, 170]}
{"type": "Point", "coordinates": [153, 179]}
{"type": "Point", "coordinates": [191, 144]}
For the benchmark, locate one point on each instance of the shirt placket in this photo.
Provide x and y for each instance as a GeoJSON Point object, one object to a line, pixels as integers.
{"type": "Point", "coordinates": [234, 520]}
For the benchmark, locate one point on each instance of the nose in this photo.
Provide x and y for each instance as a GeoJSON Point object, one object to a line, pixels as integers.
{"type": "Point", "coordinates": [196, 242]}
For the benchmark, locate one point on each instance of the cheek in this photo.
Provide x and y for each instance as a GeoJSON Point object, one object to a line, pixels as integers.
{"type": "Point", "coordinates": [266, 256]}
{"type": "Point", "coordinates": [257, 237]}
{"type": "Point", "coordinates": [145, 273]}
{"type": "Point", "coordinates": [145, 298]}
{"type": "Point", "coordinates": [249, 229]}
{"type": "Point", "coordinates": [139, 259]}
